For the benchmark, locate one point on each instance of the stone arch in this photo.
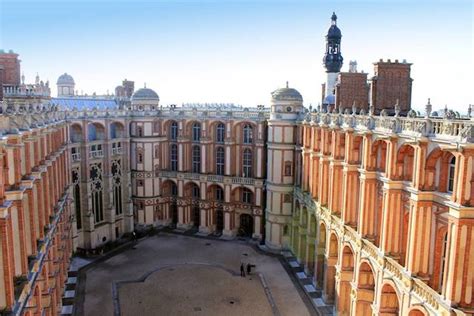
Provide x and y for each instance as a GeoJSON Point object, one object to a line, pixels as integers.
{"type": "Point", "coordinates": [75, 131]}
{"type": "Point", "coordinates": [311, 237]}
{"type": "Point", "coordinates": [169, 190]}
{"type": "Point", "coordinates": [95, 131]}
{"type": "Point", "coordinates": [378, 156]}
{"type": "Point", "coordinates": [117, 130]}
{"type": "Point", "coordinates": [212, 133]}
{"type": "Point", "coordinates": [302, 242]}
{"type": "Point", "coordinates": [211, 191]}
{"type": "Point", "coordinates": [404, 164]}
{"type": "Point", "coordinates": [238, 130]}
{"type": "Point", "coordinates": [343, 303]}
{"type": "Point", "coordinates": [437, 170]}
{"type": "Point", "coordinates": [417, 311]}
{"type": "Point", "coordinates": [295, 229]}
{"type": "Point", "coordinates": [389, 302]}
{"type": "Point", "coordinates": [365, 289]}
{"type": "Point", "coordinates": [320, 255]}
{"type": "Point", "coordinates": [330, 275]}
{"type": "Point", "coordinates": [238, 193]}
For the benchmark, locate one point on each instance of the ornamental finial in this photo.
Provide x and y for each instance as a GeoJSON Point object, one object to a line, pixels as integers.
{"type": "Point", "coordinates": [428, 108]}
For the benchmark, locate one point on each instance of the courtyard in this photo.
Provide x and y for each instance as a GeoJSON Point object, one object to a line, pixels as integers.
{"type": "Point", "coordinates": [171, 274]}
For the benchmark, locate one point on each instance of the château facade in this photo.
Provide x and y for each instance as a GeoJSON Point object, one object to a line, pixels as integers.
{"type": "Point", "coordinates": [372, 198]}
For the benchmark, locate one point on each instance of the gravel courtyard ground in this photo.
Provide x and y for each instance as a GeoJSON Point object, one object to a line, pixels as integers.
{"type": "Point", "coordinates": [172, 274]}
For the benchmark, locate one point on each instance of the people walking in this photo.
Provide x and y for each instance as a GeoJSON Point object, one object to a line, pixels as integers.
{"type": "Point", "coordinates": [242, 270]}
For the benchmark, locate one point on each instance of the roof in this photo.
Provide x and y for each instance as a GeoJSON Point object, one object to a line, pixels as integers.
{"type": "Point", "coordinates": [84, 103]}
{"type": "Point", "coordinates": [65, 79]}
{"type": "Point", "coordinates": [287, 94]}
{"type": "Point", "coordinates": [145, 94]}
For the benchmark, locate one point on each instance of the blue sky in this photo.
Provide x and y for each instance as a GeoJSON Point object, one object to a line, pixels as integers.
{"type": "Point", "coordinates": [239, 51]}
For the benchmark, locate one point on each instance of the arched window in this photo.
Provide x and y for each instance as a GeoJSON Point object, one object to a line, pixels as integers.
{"type": "Point", "coordinates": [451, 171]}
{"type": "Point", "coordinates": [220, 160]}
{"type": "Point", "coordinates": [174, 131]}
{"type": "Point", "coordinates": [248, 134]}
{"type": "Point", "coordinates": [196, 192]}
{"type": "Point", "coordinates": [247, 196]}
{"type": "Point", "coordinates": [219, 194]}
{"type": "Point", "coordinates": [196, 159]}
{"type": "Point", "coordinates": [196, 132]}
{"type": "Point", "coordinates": [220, 133]}
{"type": "Point", "coordinates": [174, 157]}
{"type": "Point", "coordinates": [247, 163]}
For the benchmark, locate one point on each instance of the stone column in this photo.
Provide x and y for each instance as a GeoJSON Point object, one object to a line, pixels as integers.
{"type": "Point", "coordinates": [350, 194]}
{"type": "Point", "coordinates": [323, 183]}
{"type": "Point", "coordinates": [458, 281]}
{"type": "Point", "coordinates": [335, 186]}
{"type": "Point", "coordinates": [6, 263]}
{"type": "Point", "coordinates": [419, 237]}
{"type": "Point", "coordinates": [391, 220]}
{"type": "Point", "coordinates": [368, 188]}
{"type": "Point", "coordinates": [257, 224]}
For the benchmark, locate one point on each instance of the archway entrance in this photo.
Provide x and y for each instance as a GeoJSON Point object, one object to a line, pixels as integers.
{"type": "Point", "coordinates": [219, 220]}
{"type": "Point", "coordinates": [389, 301]}
{"type": "Point", "coordinates": [246, 225]}
{"type": "Point", "coordinates": [196, 216]}
{"type": "Point", "coordinates": [174, 213]}
{"type": "Point", "coordinates": [346, 277]}
{"type": "Point", "coordinates": [365, 290]}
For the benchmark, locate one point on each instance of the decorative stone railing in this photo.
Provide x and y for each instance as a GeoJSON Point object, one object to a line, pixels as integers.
{"type": "Point", "coordinates": [96, 154]}
{"type": "Point", "coordinates": [210, 178]}
{"type": "Point", "coordinates": [116, 151]}
{"type": "Point", "coordinates": [449, 127]}
{"type": "Point", "coordinates": [76, 156]}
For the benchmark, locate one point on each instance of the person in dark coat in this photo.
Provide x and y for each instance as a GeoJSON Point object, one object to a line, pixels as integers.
{"type": "Point", "coordinates": [249, 267]}
{"type": "Point", "coordinates": [242, 270]}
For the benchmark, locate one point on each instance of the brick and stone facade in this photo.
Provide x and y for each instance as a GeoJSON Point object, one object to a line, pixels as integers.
{"type": "Point", "coordinates": [390, 85]}
{"type": "Point", "coordinates": [382, 219]}
{"type": "Point", "coordinates": [352, 91]}
{"type": "Point", "coordinates": [376, 208]}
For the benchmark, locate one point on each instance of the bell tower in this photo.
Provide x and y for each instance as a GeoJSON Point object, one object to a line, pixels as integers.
{"type": "Point", "coordinates": [332, 60]}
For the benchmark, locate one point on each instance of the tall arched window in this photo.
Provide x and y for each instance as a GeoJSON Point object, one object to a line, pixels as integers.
{"type": "Point", "coordinates": [220, 160]}
{"type": "Point", "coordinates": [196, 159]}
{"type": "Point", "coordinates": [196, 192]}
{"type": "Point", "coordinates": [219, 194]}
{"type": "Point", "coordinates": [196, 132]}
{"type": "Point", "coordinates": [451, 171]}
{"type": "Point", "coordinates": [247, 163]}
{"type": "Point", "coordinates": [247, 196]}
{"type": "Point", "coordinates": [174, 131]}
{"type": "Point", "coordinates": [248, 134]}
{"type": "Point", "coordinates": [174, 157]}
{"type": "Point", "coordinates": [220, 133]}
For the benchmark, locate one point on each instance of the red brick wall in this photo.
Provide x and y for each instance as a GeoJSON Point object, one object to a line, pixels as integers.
{"type": "Point", "coordinates": [352, 88]}
{"type": "Point", "coordinates": [11, 69]}
{"type": "Point", "coordinates": [390, 83]}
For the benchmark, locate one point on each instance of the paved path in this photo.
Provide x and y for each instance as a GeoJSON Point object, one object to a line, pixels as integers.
{"type": "Point", "coordinates": [172, 274]}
